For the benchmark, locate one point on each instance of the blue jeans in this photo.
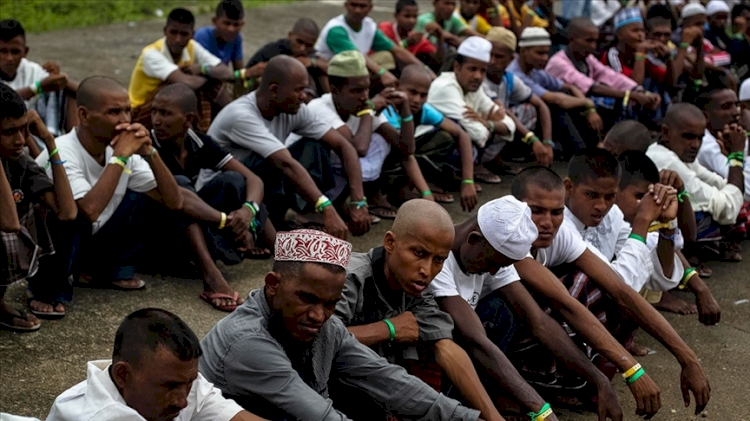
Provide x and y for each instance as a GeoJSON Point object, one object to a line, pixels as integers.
{"type": "Point", "coordinates": [498, 319]}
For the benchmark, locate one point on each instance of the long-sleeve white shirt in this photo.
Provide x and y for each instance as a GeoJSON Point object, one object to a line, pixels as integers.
{"type": "Point", "coordinates": [710, 156]}
{"type": "Point", "coordinates": [709, 192]}
{"type": "Point", "coordinates": [449, 98]}
{"type": "Point", "coordinates": [610, 240]}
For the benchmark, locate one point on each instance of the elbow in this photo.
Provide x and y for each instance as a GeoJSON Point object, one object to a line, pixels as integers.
{"type": "Point", "coordinates": [12, 227]}
{"type": "Point", "coordinates": [361, 151]}
{"type": "Point", "coordinates": [68, 214]}
{"type": "Point", "coordinates": [90, 214]}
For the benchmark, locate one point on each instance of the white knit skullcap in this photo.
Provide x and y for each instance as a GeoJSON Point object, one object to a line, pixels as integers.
{"type": "Point", "coordinates": [477, 48]}
{"type": "Point", "coordinates": [716, 6]}
{"type": "Point", "coordinates": [506, 224]}
{"type": "Point", "coordinates": [692, 9]}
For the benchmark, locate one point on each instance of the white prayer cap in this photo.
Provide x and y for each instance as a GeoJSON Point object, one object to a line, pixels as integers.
{"type": "Point", "coordinates": [692, 9]}
{"type": "Point", "coordinates": [506, 224]}
{"type": "Point", "coordinates": [745, 90]}
{"type": "Point", "coordinates": [716, 6]}
{"type": "Point", "coordinates": [534, 37]}
{"type": "Point", "coordinates": [477, 48]}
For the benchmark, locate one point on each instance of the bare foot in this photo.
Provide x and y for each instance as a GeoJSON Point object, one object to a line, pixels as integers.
{"type": "Point", "coordinates": [637, 350]}
{"type": "Point", "coordinates": [42, 307]}
{"type": "Point", "coordinates": [675, 305]}
{"type": "Point", "coordinates": [129, 284]}
{"type": "Point", "coordinates": [216, 284]}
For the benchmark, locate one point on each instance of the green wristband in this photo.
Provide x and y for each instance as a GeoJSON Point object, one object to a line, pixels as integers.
{"type": "Point", "coordinates": [38, 85]}
{"type": "Point", "coordinates": [382, 71]}
{"type": "Point", "coordinates": [682, 195]}
{"type": "Point", "coordinates": [426, 193]}
{"type": "Point", "coordinates": [391, 329]}
{"type": "Point", "coordinates": [536, 415]}
{"type": "Point", "coordinates": [251, 207]}
{"type": "Point", "coordinates": [637, 375]}
{"type": "Point", "coordinates": [637, 237]}
{"type": "Point", "coordinates": [467, 181]}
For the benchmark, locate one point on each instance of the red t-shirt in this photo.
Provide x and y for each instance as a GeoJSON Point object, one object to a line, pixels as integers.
{"type": "Point", "coordinates": [424, 46]}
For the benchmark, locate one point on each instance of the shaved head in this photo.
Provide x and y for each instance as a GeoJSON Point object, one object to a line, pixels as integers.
{"type": "Point", "coordinates": [413, 74]}
{"type": "Point", "coordinates": [306, 26]}
{"type": "Point", "coordinates": [281, 69]}
{"type": "Point", "coordinates": [181, 95]}
{"type": "Point", "coordinates": [679, 113]}
{"type": "Point", "coordinates": [578, 25]}
{"type": "Point", "coordinates": [627, 135]}
{"type": "Point", "coordinates": [92, 87]}
{"type": "Point", "coordinates": [417, 215]}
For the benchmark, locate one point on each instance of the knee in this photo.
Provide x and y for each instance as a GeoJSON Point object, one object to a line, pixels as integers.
{"type": "Point", "coordinates": [233, 182]}
{"type": "Point", "coordinates": [184, 182]}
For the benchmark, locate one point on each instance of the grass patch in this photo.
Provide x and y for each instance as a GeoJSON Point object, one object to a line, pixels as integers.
{"type": "Point", "coordinates": [49, 15]}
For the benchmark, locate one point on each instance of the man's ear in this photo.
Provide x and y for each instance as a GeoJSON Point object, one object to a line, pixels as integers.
{"type": "Point", "coordinates": [120, 373]}
{"type": "Point", "coordinates": [83, 114]}
{"type": "Point", "coordinates": [190, 119]}
{"type": "Point", "coordinates": [665, 133]}
{"type": "Point", "coordinates": [568, 188]}
{"type": "Point", "coordinates": [273, 89]}
{"type": "Point", "coordinates": [213, 20]}
{"type": "Point", "coordinates": [389, 241]}
{"type": "Point", "coordinates": [273, 281]}
{"type": "Point", "coordinates": [475, 237]}
{"type": "Point", "coordinates": [165, 30]}
{"type": "Point", "coordinates": [25, 51]}
{"type": "Point", "coordinates": [456, 67]}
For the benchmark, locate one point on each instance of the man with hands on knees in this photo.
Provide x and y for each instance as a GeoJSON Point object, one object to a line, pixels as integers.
{"type": "Point", "coordinates": [114, 174]}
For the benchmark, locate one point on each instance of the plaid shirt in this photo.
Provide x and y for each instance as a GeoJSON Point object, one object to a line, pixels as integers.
{"type": "Point", "coordinates": [24, 248]}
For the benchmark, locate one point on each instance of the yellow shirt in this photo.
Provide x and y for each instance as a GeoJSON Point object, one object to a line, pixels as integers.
{"type": "Point", "coordinates": [480, 24]}
{"type": "Point", "coordinates": [525, 10]}
{"type": "Point", "coordinates": [153, 67]}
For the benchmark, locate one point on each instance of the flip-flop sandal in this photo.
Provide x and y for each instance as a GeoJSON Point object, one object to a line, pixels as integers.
{"type": "Point", "coordinates": [382, 212]}
{"type": "Point", "coordinates": [51, 315]}
{"type": "Point", "coordinates": [442, 196]}
{"type": "Point", "coordinates": [214, 295]}
{"type": "Point", "coordinates": [488, 178]}
{"type": "Point", "coordinates": [110, 285]}
{"type": "Point", "coordinates": [6, 322]}
{"type": "Point", "coordinates": [374, 220]}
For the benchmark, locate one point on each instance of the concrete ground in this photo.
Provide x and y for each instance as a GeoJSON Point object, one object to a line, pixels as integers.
{"type": "Point", "coordinates": [36, 367]}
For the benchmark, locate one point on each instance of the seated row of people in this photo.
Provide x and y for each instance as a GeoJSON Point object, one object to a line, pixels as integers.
{"type": "Point", "coordinates": [281, 354]}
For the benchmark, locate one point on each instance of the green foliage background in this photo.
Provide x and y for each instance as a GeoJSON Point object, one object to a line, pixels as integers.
{"type": "Point", "coordinates": [47, 15]}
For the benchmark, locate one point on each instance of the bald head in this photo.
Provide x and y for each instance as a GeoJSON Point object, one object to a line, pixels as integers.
{"type": "Point", "coordinates": [281, 69]}
{"type": "Point", "coordinates": [415, 74]}
{"type": "Point", "coordinates": [578, 25]}
{"type": "Point", "coordinates": [627, 135]}
{"type": "Point", "coordinates": [682, 112]}
{"type": "Point", "coordinates": [181, 95]}
{"type": "Point", "coordinates": [418, 216]}
{"type": "Point", "coordinates": [91, 88]}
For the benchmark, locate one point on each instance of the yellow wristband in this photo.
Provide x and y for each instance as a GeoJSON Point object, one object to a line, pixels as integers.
{"type": "Point", "coordinates": [115, 160]}
{"type": "Point", "coordinates": [631, 371]}
{"type": "Point", "coordinates": [365, 112]}
{"type": "Point", "coordinates": [626, 99]}
{"type": "Point", "coordinates": [320, 201]}
{"type": "Point", "coordinates": [223, 222]}
{"type": "Point", "coordinates": [528, 136]}
{"type": "Point", "coordinates": [543, 416]}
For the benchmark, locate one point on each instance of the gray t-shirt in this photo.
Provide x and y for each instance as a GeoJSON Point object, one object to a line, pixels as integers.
{"type": "Point", "coordinates": [247, 356]}
{"type": "Point", "coordinates": [366, 299]}
{"type": "Point", "coordinates": [518, 93]}
{"type": "Point", "coordinates": [240, 128]}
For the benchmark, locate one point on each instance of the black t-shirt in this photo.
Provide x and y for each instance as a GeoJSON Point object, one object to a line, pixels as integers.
{"type": "Point", "coordinates": [203, 153]}
{"type": "Point", "coordinates": [269, 51]}
{"type": "Point", "coordinates": [28, 182]}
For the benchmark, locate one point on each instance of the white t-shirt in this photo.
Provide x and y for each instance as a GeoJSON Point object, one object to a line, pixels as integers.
{"type": "Point", "coordinates": [159, 64]}
{"type": "Point", "coordinates": [27, 74]}
{"type": "Point", "coordinates": [566, 247]}
{"type": "Point", "coordinates": [84, 172]}
{"type": "Point", "coordinates": [452, 281]}
{"type": "Point", "coordinates": [97, 398]}
{"type": "Point", "coordinates": [361, 39]}
{"type": "Point", "coordinates": [325, 111]}
{"type": "Point", "coordinates": [447, 96]}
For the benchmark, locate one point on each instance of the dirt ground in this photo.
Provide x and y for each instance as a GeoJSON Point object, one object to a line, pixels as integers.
{"type": "Point", "coordinates": [35, 368]}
